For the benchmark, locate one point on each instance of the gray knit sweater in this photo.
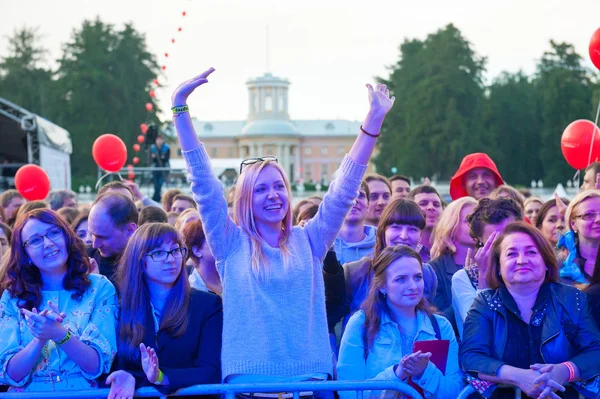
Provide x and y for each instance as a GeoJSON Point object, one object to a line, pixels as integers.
{"type": "Point", "coordinates": [275, 325]}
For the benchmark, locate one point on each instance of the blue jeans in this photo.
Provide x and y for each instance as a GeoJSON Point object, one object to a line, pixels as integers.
{"type": "Point", "coordinates": [159, 180]}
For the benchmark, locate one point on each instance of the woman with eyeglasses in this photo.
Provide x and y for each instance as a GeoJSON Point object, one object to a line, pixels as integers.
{"type": "Point", "coordinates": [582, 220]}
{"type": "Point", "coordinates": [169, 335]}
{"type": "Point", "coordinates": [57, 321]}
{"type": "Point", "coordinates": [275, 326]}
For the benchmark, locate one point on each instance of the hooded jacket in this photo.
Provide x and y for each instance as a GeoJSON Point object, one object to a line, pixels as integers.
{"type": "Point", "coordinates": [470, 162]}
{"type": "Point", "coordinates": [353, 251]}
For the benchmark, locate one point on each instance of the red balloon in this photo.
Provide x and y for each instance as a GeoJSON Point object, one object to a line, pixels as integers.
{"type": "Point", "coordinates": [164, 67]}
{"type": "Point", "coordinates": [130, 168]}
{"type": "Point", "coordinates": [180, 29]}
{"type": "Point", "coordinates": [167, 55]}
{"type": "Point", "coordinates": [149, 107]}
{"type": "Point", "coordinates": [136, 147]}
{"type": "Point", "coordinates": [595, 48]}
{"type": "Point", "coordinates": [152, 94]}
{"type": "Point", "coordinates": [141, 139]}
{"type": "Point", "coordinates": [576, 142]}
{"type": "Point", "coordinates": [131, 175]}
{"type": "Point", "coordinates": [136, 160]}
{"type": "Point", "coordinates": [156, 82]}
{"type": "Point", "coordinates": [32, 182]}
{"type": "Point", "coordinates": [183, 13]}
{"type": "Point", "coordinates": [143, 128]}
{"type": "Point", "coordinates": [109, 152]}
{"type": "Point", "coordinates": [172, 40]}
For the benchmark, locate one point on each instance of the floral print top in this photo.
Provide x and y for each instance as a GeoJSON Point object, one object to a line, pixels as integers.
{"type": "Point", "coordinates": [93, 320]}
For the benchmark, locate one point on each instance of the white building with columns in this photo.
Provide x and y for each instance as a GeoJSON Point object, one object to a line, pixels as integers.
{"type": "Point", "coordinates": [307, 149]}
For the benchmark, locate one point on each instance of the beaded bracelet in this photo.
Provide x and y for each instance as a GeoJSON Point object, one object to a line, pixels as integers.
{"type": "Point", "coordinates": [367, 133]}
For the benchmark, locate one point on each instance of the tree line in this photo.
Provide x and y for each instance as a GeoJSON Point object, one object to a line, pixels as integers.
{"type": "Point", "coordinates": [443, 111]}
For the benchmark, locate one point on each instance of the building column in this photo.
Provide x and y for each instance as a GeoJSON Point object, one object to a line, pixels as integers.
{"type": "Point", "coordinates": [297, 163]}
{"type": "Point", "coordinates": [279, 153]}
{"type": "Point", "coordinates": [286, 158]}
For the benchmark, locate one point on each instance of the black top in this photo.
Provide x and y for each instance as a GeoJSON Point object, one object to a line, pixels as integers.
{"type": "Point", "coordinates": [593, 292]}
{"type": "Point", "coordinates": [106, 266]}
{"type": "Point", "coordinates": [192, 359]}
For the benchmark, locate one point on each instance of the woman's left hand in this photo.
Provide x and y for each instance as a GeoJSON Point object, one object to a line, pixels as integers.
{"type": "Point", "coordinates": [45, 325]}
{"type": "Point", "coordinates": [149, 363]}
{"type": "Point", "coordinates": [415, 364]}
{"type": "Point", "coordinates": [379, 99]}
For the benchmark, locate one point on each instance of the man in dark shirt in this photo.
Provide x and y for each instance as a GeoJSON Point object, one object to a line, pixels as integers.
{"type": "Point", "coordinates": [112, 221]}
{"type": "Point", "coordinates": [161, 153]}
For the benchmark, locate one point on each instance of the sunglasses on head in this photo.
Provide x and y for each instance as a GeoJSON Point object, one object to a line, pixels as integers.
{"type": "Point", "coordinates": [251, 161]}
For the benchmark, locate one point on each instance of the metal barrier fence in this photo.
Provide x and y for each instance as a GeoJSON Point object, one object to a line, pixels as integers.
{"type": "Point", "coordinates": [469, 390]}
{"type": "Point", "coordinates": [230, 390]}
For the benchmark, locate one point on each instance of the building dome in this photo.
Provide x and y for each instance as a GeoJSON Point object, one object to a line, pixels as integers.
{"type": "Point", "coordinates": [269, 127]}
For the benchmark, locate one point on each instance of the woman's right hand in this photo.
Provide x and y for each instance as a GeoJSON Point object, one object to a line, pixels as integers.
{"type": "Point", "coordinates": [538, 384]}
{"type": "Point", "coordinates": [482, 258]}
{"type": "Point", "coordinates": [182, 92]}
{"type": "Point", "coordinates": [122, 385]}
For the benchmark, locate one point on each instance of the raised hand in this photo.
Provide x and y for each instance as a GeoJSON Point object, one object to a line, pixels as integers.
{"type": "Point", "coordinates": [94, 268]}
{"type": "Point", "coordinates": [379, 99]}
{"type": "Point", "coordinates": [482, 258]}
{"type": "Point", "coordinates": [183, 91]}
{"type": "Point", "coordinates": [560, 205]}
{"type": "Point", "coordinates": [149, 363]}
{"type": "Point", "coordinates": [122, 385]}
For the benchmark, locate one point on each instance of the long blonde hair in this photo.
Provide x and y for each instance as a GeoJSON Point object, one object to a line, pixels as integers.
{"type": "Point", "coordinates": [244, 216]}
{"type": "Point", "coordinates": [445, 228]}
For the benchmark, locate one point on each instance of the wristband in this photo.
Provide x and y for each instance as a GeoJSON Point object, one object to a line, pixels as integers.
{"type": "Point", "coordinates": [160, 378]}
{"type": "Point", "coordinates": [367, 133]}
{"type": "Point", "coordinates": [571, 370]}
{"type": "Point", "coordinates": [65, 339]}
{"type": "Point", "coordinates": [180, 109]}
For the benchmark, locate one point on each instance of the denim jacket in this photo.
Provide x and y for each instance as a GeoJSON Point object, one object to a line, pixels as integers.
{"type": "Point", "coordinates": [386, 353]}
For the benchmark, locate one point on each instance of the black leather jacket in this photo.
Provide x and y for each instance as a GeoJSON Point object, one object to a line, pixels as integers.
{"type": "Point", "coordinates": [569, 332]}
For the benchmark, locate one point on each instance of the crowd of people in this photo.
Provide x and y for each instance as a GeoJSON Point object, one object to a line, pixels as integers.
{"type": "Point", "coordinates": [376, 280]}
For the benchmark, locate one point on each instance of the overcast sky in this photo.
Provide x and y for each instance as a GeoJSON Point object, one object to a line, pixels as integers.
{"type": "Point", "coordinates": [328, 49]}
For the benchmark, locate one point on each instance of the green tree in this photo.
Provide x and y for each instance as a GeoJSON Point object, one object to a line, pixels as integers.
{"type": "Point", "coordinates": [565, 88]}
{"type": "Point", "coordinates": [437, 118]}
{"type": "Point", "coordinates": [512, 122]}
{"type": "Point", "coordinates": [103, 78]}
{"type": "Point", "coordinates": [24, 77]}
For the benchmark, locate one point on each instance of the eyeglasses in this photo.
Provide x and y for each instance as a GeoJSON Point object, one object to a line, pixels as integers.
{"type": "Point", "coordinates": [251, 161]}
{"type": "Point", "coordinates": [588, 216]}
{"type": "Point", "coordinates": [161, 256]}
{"type": "Point", "coordinates": [37, 240]}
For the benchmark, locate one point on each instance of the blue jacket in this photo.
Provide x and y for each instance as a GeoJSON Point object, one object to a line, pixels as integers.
{"type": "Point", "coordinates": [386, 353]}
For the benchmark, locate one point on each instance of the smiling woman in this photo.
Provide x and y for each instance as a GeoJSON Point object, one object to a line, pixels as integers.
{"type": "Point", "coordinates": [378, 341]}
{"type": "Point", "coordinates": [51, 308]}
{"type": "Point", "coordinates": [269, 269]}
{"type": "Point", "coordinates": [544, 333]}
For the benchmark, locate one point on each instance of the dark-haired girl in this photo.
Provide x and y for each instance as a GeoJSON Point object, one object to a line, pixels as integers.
{"type": "Point", "coordinates": [57, 321]}
{"type": "Point", "coordinates": [169, 335]}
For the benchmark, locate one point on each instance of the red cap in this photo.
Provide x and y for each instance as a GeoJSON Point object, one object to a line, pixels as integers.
{"type": "Point", "coordinates": [470, 162]}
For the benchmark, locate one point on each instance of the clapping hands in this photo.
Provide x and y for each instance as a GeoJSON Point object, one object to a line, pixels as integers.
{"type": "Point", "coordinates": [413, 365]}
{"type": "Point", "coordinates": [47, 324]}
